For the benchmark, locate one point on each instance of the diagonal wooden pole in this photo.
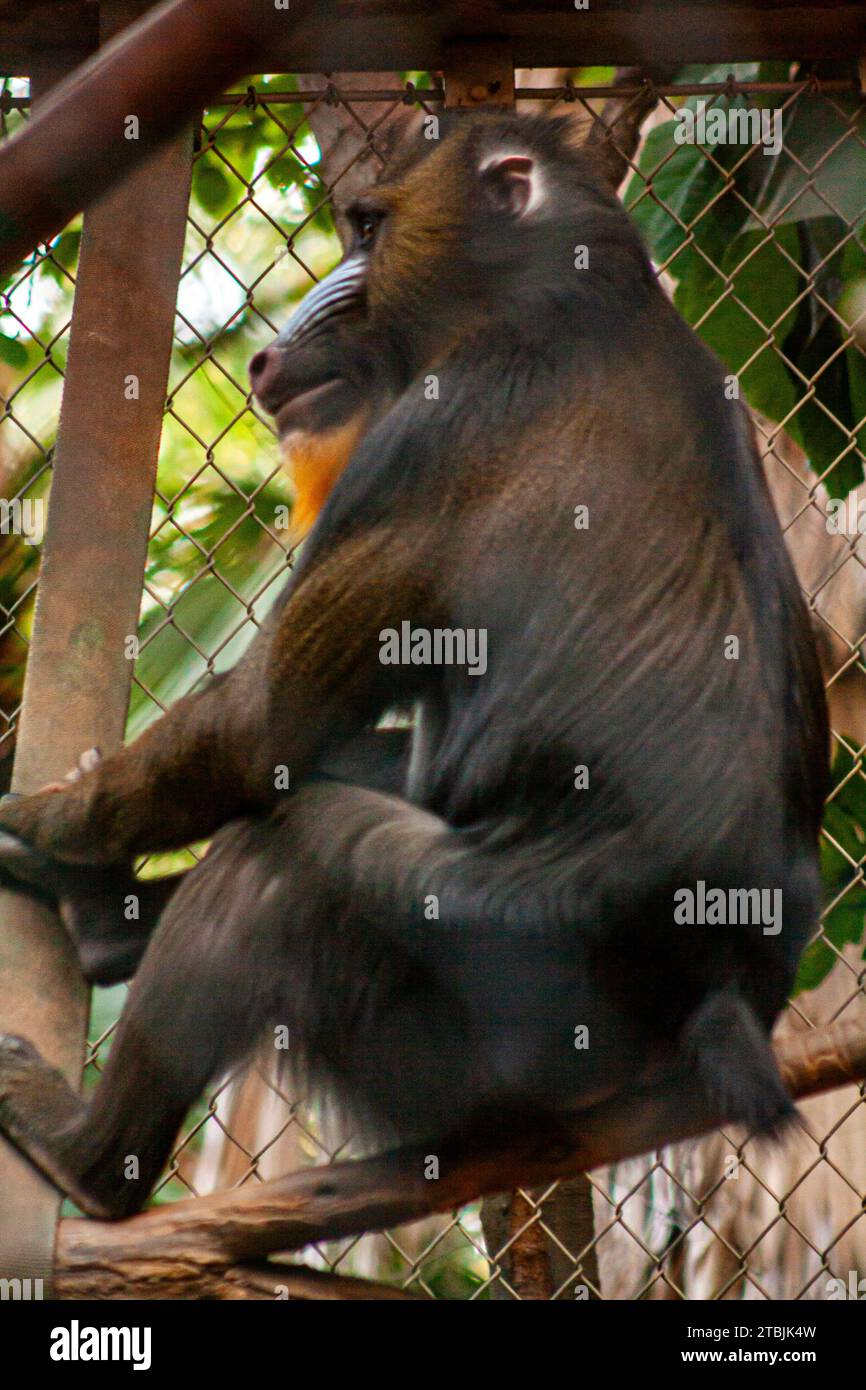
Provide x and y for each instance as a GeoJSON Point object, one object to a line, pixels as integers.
{"type": "Point", "coordinates": [162, 72]}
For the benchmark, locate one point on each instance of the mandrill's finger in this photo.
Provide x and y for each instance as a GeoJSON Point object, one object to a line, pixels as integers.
{"type": "Point", "coordinates": [88, 760]}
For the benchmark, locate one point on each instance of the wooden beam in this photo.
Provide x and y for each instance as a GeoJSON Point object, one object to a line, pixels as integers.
{"type": "Point", "coordinates": [403, 34]}
{"type": "Point", "coordinates": [185, 51]}
{"type": "Point", "coordinates": [42, 996]}
{"type": "Point", "coordinates": [36, 33]}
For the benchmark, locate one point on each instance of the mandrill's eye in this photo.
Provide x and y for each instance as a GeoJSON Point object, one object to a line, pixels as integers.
{"type": "Point", "coordinates": [366, 226]}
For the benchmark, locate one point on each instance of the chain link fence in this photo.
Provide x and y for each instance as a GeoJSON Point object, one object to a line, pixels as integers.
{"type": "Point", "coordinates": [760, 242]}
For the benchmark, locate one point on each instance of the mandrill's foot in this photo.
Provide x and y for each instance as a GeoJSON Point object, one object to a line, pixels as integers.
{"type": "Point", "coordinates": [40, 1114]}
{"type": "Point", "coordinates": [22, 867]}
{"type": "Point", "coordinates": [109, 914]}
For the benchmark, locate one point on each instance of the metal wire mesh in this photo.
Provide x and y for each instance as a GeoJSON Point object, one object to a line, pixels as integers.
{"type": "Point", "coordinates": [720, 1218]}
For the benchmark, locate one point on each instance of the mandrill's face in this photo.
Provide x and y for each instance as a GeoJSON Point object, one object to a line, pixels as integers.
{"type": "Point", "coordinates": [314, 380]}
{"type": "Point", "coordinates": [413, 283]}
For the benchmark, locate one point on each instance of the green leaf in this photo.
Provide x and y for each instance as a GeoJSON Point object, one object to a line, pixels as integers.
{"type": "Point", "coordinates": [777, 70]}
{"type": "Point", "coordinates": [13, 352]}
{"type": "Point", "coordinates": [745, 309]}
{"type": "Point", "coordinates": [738, 288]}
{"type": "Point", "coordinates": [828, 383]}
{"type": "Point", "coordinates": [844, 925]}
{"type": "Point", "coordinates": [64, 254]}
{"type": "Point", "coordinates": [845, 827]}
{"type": "Point", "coordinates": [65, 249]}
{"type": "Point", "coordinates": [854, 275]}
{"type": "Point", "coordinates": [674, 183]}
{"type": "Point", "coordinates": [286, 171]}
{"type": "Point", "coordinates": [690, 198]}
{"type": "Point", "coordinates": [717, 72]}
{"type": "Point", "coordinates": [207, 617]}
{"type": "Point", "coordinates": [589, 77]}
{"type": "Point", "coordinates": [821, 169]}
{"type": "Point", "coordinates": [211, 188]}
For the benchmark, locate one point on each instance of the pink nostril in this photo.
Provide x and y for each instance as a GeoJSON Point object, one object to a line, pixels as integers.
{"type": "Point", "coordinates": [263, 368]}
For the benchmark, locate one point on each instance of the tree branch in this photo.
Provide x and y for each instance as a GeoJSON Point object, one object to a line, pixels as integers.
{"type": "Point", "coordinates": [190, 1246]}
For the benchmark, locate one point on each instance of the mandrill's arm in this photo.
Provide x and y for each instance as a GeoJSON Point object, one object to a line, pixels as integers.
{"type": "Point", "coordinates": [311, 678]}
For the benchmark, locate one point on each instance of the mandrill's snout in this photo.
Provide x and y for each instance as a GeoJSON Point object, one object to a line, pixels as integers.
{"type": "Point", "coordinates": [316, 387]}
{"type": "Point", "coordinates": [303, 377]}
{"type": "Point", "coordinates": [264, 369]}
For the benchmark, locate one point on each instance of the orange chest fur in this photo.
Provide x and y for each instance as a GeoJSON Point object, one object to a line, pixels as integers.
{"type": "Point", "coordinates": [314, 462]}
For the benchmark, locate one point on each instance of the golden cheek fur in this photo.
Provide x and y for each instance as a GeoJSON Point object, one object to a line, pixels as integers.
{"type": "Point", "coordinates": [314, 462]}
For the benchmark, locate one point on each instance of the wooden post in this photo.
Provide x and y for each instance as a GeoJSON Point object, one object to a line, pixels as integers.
{"type": "Point", "coordinates": [78, 673]}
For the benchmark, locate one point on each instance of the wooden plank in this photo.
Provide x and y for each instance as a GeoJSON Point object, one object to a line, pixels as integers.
{"type": "Point", "coordinates": [34, 947]}
{"type": "Point", "coordinates": [78, 676]}
{"type": "Point", "coordinates": [184, 53]}
{"type": "Point", "coordinates": [56, 33]}
{"type": "Point", "coordinates": [384, 34]}
{"type": "Point", "coordinates": [405, 35]}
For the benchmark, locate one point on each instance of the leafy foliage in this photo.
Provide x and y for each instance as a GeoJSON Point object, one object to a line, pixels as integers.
{"type": "Point", "coordinates": [843, 849]}
{"type": "Point", "coordinates": [763, 252]}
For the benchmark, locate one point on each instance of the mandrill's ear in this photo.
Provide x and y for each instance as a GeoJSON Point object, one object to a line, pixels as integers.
{"type": "Point", "coordinates": [511, 183]}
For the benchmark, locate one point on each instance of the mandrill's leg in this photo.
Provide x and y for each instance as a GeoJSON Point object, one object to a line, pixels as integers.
{"type": "Point", "coordinates": [206, 989]}
{"type": "Point", "coordinates": [108, 912]}
{"type": "Point", "coordinates": [263, 932]}
{"type": "Point", "coordinates": [317, 919]}
{"type": "Point", "coordinates": [314, 919]}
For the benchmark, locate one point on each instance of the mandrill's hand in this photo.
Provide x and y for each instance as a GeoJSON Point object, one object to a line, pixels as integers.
{"type": "Point", "coordinates": [54, 822]}
{"type": "Point", "coordinates": [20, 861]}
{"type": "Point", "coordinates": [108, 913]}
{"type": "Point", "coordinates": [89, 759]}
